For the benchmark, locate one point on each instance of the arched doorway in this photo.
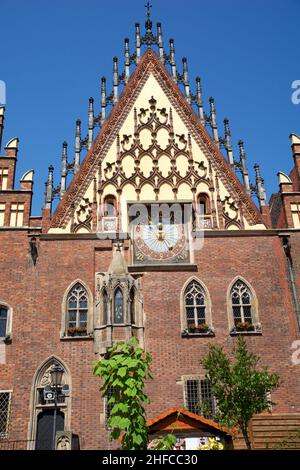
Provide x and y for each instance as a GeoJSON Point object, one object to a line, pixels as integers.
{"type": "Point", "coordinates": [48, 417]}
{"type": "Point", "coordinates": [45, 428]}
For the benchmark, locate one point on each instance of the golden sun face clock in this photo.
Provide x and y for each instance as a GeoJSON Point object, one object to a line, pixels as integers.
{"type": "Point", "coordinates": [160, 243]}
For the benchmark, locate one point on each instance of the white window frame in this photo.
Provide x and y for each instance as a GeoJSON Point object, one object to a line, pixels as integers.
{"type": "Point", "coordinates": [8, 334]}
{"type": "Point", "coordinates": [5, 435]}
{"type": "Point", "coordinates": [199, 379]}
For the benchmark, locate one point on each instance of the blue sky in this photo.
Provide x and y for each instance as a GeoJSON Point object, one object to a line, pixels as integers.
{"type": "Point", "coordinates": [54, 53]}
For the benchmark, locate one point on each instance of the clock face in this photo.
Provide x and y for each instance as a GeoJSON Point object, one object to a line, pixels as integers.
{"type": "Point", "coordinates": [160, 243]}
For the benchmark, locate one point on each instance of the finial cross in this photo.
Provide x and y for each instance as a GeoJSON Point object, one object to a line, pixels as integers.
{"type": "Point", "coordinates": [148, 6]}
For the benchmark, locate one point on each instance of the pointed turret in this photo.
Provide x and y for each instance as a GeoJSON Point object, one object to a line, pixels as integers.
{"type": "Point", "coordinates": [137, 43]}
{"type": "Point", "coordinates": [172, 60]}
{"type": "Point", "coordinates": [261, 192]}
{"type": "Point", "coordinates": [64, 164]}
{"type": "Point", "coordinates": [2, 111]}
{"type": "Point", "coordinates": [213, 120]}
{"type": "Point", "coordinates": [77, 145]}
{"type": "Point", "coordinates": [116, 80]}
{"type": "Point", "coordinates": [185, 80]}
{"type": "Point", "coordinates": [91, 123]}
{"type": "Point", "coordinates": [243, 166]}
{"type": "Point", "coordinates": [103, 99]}
{"type": "Point", "coordinates": [118, 264]}
{"type": "Point", "coordinates": [49, 188]}
{"type": "Point", "coordinates": [199, 101]}
{"type": "Point", "coordinates": [160, 43]}
{"type": "Point", "coordinates": [127, 60]}
{"type": "Point", "coordinates": [227, 143]}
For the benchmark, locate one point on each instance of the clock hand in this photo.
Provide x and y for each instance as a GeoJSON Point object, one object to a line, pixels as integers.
{"type": "Point", "coordinates": [168, 244]}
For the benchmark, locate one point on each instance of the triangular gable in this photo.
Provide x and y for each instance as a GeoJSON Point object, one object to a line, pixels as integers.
{"type": "Point", "coordinates": [150, 64]}
{"type": "Point", "coordinates": [180, 419]}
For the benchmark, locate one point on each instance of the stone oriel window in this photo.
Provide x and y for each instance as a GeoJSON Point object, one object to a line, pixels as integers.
{"type": "Point", "coordinates": [195, 309]}
{"type": "Point", "coordinates": [5, 401]}
{"type": "Point", "coordinates": [118, 306]}
{"type": "Point", "coordinates": [242, 308]}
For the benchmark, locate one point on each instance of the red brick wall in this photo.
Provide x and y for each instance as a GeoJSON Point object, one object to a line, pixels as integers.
{"type": "Point", "coordinates": [36, 293]}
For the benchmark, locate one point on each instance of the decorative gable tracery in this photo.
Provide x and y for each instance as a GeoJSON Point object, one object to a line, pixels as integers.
{"type": "Point", "coordinates": [154, 121]}
{"type": "Point", "coordinates": [151, 64]}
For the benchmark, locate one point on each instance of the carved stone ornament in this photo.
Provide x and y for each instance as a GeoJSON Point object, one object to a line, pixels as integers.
{"type": "Point", "coordinates": [148, 64]}
{"type": "Point", "coordinates": [64, 440]}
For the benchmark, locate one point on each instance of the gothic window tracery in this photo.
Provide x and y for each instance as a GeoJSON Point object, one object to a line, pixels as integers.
{"type": "Point", "coordinates": [118, 306]}
{"type": "Point", "coordinates": [241, 299]}
{"type": "Point", "coordinates": [195, 305]}
{"type": "Point", "coordinates": [105, 306]}
{"type": "Point", "coordinates": [77, 310]}
{"type": "Point", "coordinates": [132, 305]}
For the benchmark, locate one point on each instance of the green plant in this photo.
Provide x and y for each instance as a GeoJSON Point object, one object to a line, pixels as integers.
{"type": "Point", "coordinates": [241, 390]}
{"type": "Point", "coordinates": [246, 326]}
{"type": "Point", "coordinates": [72, 330]}
{"type": "Point", "coordinates": [124, 371]}
{"type": "Point", "coordinates": [200, 326]}
{"type": "Point", "coordinates": [166, 442]}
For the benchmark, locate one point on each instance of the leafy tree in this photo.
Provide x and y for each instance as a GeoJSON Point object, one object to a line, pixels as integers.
{"type": "Point", "coordinates": [166, 442]}
{"type": "Point", "coordinates": [240, 388]}
{"type": "Point", "coordinates": [124, 371]}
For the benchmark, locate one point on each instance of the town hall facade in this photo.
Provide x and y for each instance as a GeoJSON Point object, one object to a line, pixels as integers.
{"type": "Point", "coordinates": [159, 234]}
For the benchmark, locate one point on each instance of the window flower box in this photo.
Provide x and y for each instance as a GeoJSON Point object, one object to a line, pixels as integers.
{"type": "Point", "coordinates": [201, 329]}
{"type": "Point", "coordinates": [246, 328]}
{"type": "Point", "coordinates": [77, 331]}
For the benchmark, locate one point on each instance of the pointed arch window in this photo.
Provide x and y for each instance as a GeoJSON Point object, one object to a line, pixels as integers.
{"type": "Point", "coordinates": [118, 306]}
{"type": "Point", "coordinates": [242, 304]}
{"type": "Point", "coordinates": [105, 306]}
{"type": "Point", "coordinates": [203, 204]}
{"type": "Point", "coordinates": [132, 306]}
{"type": "Point", "coordinates": [109, 219]}
{"type": "Point", "coordinates": [110, 206]}
{"type": "Point", "coordinates": [77, 311]}
{"type": "Point", "coordinates": [195, 306]}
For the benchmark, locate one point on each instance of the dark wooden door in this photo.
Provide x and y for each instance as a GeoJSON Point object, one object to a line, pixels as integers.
{"type": "Point", "coordinates": [44, 431]}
